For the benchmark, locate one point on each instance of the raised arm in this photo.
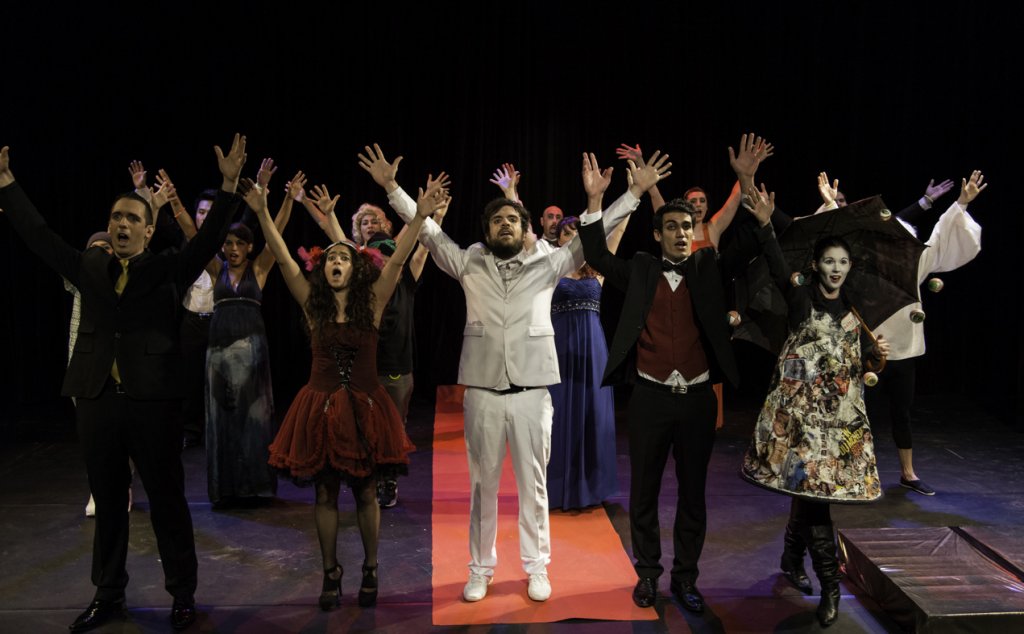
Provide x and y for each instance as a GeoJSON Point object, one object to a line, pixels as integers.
{"type": "Point", "coordinates": [635, 154]}
{"type": "Point", "coordinates": [956, 238]}
{"type": "Point", "coordinates": [265, 260]}
{"type": "Point", "coordinates": [321, 206]}
{"type": "Point", "coordinates": [181, 215]}
{"type": "Point", "coordinates": [427, 203]}
{"type": "Point", "coordinates": [752, 150]}
{"type": "Point", "coordinates": [30, 226]}
{"type": "Point", "coordinates": [507, 178]}
{"type": "Point", "coordinates": [761, 204]}
{"type": "Point", "coordinates": [828, 192]}
{"type": "Point", "coordinates": [256, 198]}
{"type": "Point", "coordinates": [199, 250]}
{"type": "Point", "coordinates": [419, 257]}
{"type": "Point", "coordinates": [384, 173]}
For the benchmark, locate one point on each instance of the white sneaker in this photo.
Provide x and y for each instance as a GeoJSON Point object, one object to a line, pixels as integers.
{"type": "Point", "coordinates": [476, 587]}
{"type": "Point", "coordinates": [90, 508]}
{"type": "Point", "coordinates": [540, 587]}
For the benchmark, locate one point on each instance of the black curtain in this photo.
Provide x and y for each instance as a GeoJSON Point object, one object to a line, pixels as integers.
{"type": "Point", "coordinates": [881, 96]}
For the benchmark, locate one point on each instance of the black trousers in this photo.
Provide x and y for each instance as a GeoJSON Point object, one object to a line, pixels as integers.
{"type": "Point", "coordinates": [195, 337]}
{"type": "Point", "coordinates": [895, 383]}
{"type": "Point", "coordinates": [659, 422]}
{"type": "Point", "coordinates": [113, 428]}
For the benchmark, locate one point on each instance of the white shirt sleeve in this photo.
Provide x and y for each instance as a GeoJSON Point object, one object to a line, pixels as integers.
{"type": "Point", "coordinates": [955, 241]}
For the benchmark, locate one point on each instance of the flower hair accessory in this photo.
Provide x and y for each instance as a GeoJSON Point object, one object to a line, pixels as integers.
{"type": "Point", "coordinates": [313, 256]}
{"type": "Point", "coordinates": [310, 258]}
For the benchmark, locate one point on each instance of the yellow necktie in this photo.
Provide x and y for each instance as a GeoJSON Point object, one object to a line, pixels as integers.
{"type": "Point", "coordinates": [122, 281]}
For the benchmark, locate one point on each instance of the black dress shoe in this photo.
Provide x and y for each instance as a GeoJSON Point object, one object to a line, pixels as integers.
{"type": "Point", "coordinates": [183, 614]}
{"type": "Point", "coordinates": [98, 613]}
{"type": "Point", "coordinates": [646, 592]}
{"type": "Point", "coordinates": [689, 596]}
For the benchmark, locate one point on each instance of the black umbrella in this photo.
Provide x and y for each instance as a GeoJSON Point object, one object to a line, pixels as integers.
{"type": "Point", "coordinates": [885, 255]}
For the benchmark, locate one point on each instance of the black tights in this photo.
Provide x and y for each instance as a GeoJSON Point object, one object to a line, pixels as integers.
{"type": "Point", "coordinates": [806, 513]}
{"type": "Point", "coordinates": [325, 515]}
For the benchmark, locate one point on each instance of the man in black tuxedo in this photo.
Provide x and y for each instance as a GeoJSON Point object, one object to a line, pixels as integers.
{"type": "Point", "coordinates": [124, 374]}
{"type": "Point", "coordinates": [672, 343]}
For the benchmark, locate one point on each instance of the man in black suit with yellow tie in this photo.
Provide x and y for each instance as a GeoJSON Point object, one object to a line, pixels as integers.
{"type": "Point", "coordinates": [124, 374]}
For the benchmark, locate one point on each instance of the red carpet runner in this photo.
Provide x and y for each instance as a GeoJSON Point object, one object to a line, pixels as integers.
{"type": "Point", "coordinates": [591, 575]}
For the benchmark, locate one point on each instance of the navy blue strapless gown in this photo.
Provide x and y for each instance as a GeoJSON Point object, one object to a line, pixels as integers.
{"type": "Point", "coordinates": [582, 469]}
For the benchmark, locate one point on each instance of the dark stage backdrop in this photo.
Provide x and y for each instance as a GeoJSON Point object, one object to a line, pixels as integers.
{"type": "Point", "coordinates": [881, 96]}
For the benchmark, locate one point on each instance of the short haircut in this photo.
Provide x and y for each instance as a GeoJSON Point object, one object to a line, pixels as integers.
{"type": "Point", "coordinates": [495, 205]}
{"type": "Point", "coordinates": [694, 190]}
{"type": "Point", "coordinates": [241, 232]}
{"type": "Point", "coordinates": [206, 194]}
{"type": "Point", "coordinates": [136, 197]}
{"type": "Point", "coordinates": [676, 205]}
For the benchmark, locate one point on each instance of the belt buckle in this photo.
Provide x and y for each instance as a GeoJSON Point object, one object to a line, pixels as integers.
{"type": "Point", "coordinates": [680, 389]}
{"type": "Point", "coordinates": [119, 388]}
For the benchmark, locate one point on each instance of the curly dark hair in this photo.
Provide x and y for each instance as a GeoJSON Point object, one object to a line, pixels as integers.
{"type": "Point", "coordinates": [320, 306]}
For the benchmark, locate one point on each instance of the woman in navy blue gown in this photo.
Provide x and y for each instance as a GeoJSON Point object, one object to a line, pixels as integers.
{"type": "Point", "coordinates": [582, 469]}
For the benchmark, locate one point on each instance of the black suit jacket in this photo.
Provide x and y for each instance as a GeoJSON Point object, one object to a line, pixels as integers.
{"type": "Point", "coordinates": [140, 327]}
{"type": "Point", "coordinates": [639, 277]}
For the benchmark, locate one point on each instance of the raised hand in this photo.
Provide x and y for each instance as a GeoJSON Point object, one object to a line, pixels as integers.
{"type": "Point", "coordinates": [440, 212]}
{"type": "Point", "coordinates": [384, 173]}
{"type": "Point", "coordinates": [255, 197]}
{"type": "Point", "coordinates": [6, 177]}
{"type": "Point", "coordinates": [442, 179]}
{"type": "Point", "coordinates": [163, 182]}
{"type": "Point", "coordinates": [322, 199]}
{"type": "Point", "coordinates": [429, 201]}
{"type": "Point", "coordinates": [230, 165]}
{"type": "Point", "coordinates": [642, 178]}
{"type": "Point", "coordinates": [506, 178]}
{"type": "Point", "coordinates": [932, 192]}
{"type": "Point", "coordinates": [969, 189]}
{"type": "Point", "coordinates": [267, 169]}
{"type": "Point", "coordinates": [745, 162]}
{"type": "Point", "coordinates": [595, 180]}
{"type": "Point", "coordinates": [165, 191]}
{"type": "Point", "coordinates": [762, 203]}
{"type": "Point", "coordinates": [634, 154]}
{"type": "Point", "coordinates": [828, 194]}
{"type": "Point", "coordinates": [296, 187]}
{"type": "Point", "coordinates": [763, 149]}
{"type": "Point", "coordinates": [138, 174]}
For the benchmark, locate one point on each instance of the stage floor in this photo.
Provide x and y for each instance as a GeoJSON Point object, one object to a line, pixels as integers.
{"type": "Point", "coordinates": [260, 567]}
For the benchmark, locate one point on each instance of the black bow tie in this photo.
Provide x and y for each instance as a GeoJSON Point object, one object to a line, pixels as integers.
{"type": "Point", "coordinates": [678, 267]}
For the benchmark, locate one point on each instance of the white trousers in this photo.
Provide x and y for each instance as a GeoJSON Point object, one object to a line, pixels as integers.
{"type": "Point", "coordinates": [523, 420]}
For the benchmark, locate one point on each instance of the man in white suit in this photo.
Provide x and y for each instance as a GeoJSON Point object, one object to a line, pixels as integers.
{"type": "Point", "coordinates": [508, 356]}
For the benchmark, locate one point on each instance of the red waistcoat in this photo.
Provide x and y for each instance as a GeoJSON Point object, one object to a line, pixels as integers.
{"type": "Point", "coordinates": [670, 339]}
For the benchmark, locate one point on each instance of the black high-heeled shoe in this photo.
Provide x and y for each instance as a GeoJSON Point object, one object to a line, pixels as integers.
{"type": "Point", "coordinates": [368, 589]}
{"type": "Point", "coordinates": [330, 592]}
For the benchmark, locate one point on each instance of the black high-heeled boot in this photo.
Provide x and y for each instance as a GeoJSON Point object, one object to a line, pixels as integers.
{"type": "Point", "coordinates": [368, 589]}
{"type": "Point", "coordinates": [330, 591]}
{"type": "Point", "coordinates": [792, 562]}
{"type": "Point", "coordinates": [822, 546]}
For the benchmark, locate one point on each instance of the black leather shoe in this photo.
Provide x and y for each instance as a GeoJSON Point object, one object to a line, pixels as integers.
{"type": "Point", "coordinates": [646, 592]}
{"type": "Point", "coordinates": [183, 614]}
{"type": "Point", "coordinates": [688, 595]}
{"type": "Point", "coordinates": [98, 613]}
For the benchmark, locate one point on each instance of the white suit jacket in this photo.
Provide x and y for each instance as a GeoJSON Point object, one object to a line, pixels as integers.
{"type": "Point", "coordinates": [508, 337]}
